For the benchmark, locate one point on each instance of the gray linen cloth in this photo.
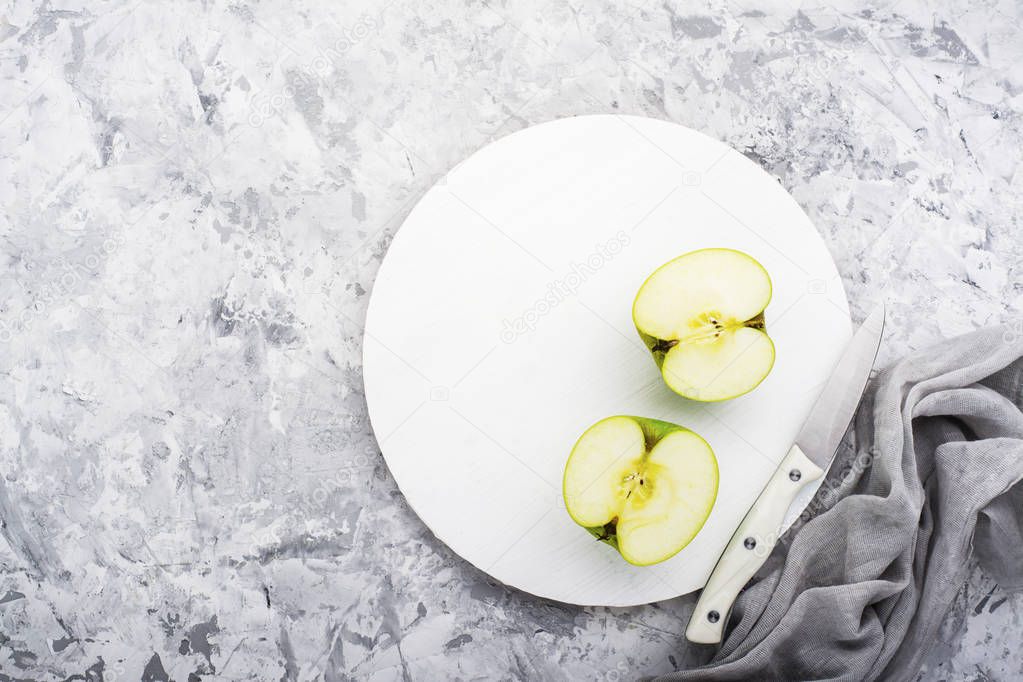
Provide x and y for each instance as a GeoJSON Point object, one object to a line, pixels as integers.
{"type": "Point", "coordinates": [858, 591]}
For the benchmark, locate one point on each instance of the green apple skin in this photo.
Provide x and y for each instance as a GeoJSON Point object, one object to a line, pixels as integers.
{"type": "Point", "coordinates": [654, 431]}
{"type": "Point", "coordinates": [659, 347]}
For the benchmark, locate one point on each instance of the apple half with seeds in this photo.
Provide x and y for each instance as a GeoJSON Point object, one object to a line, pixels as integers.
{"type": "Point", "coordinates": [702, 317]}
{"type": "Point", "coordinates": [643, 486]}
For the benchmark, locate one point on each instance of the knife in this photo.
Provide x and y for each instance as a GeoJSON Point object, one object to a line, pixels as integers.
{"type": "Point", "coordinates": [808, 459]}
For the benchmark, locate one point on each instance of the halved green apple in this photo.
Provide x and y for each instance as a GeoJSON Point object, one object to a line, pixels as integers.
{"type": "Point", "coordinates": [702, 317]}
{"type": "Point", "coordinates": [643, 486]}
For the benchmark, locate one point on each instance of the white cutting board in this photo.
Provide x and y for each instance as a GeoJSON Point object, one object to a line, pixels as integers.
{"type": "Point", "coordinates": [500, 329]}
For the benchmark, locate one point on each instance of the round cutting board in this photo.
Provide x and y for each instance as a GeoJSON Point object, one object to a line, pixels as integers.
{"type": "Point", "coordinates": [500, 329]}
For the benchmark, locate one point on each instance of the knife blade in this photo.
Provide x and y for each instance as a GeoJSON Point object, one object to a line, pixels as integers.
{"type": "Point", "coordinates": [807, 460]}
{"type": "Point", "coordinates": [828, 420]}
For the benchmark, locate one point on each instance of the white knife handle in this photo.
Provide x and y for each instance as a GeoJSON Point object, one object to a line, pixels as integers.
{"type": "Point", "coordinates": [750, 546]}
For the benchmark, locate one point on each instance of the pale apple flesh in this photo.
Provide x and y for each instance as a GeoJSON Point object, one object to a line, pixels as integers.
{"type": "Point", "coordinates": [702, 317]}
{"type": "Point", "coordinates": [643, 486]}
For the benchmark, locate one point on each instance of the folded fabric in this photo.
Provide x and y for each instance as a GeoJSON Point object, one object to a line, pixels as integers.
{"type": "Point", "coordinates": [858, 590]}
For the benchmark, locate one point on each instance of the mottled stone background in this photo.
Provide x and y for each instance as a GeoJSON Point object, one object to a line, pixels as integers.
{"type": "Point", "coordinates": [197, 196]}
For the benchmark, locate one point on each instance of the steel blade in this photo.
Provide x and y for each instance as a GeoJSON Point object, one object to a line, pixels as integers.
{"type": "Point", "coordinates": [823, 430]}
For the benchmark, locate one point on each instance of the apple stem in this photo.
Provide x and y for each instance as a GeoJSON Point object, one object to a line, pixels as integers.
{"type": "Point", "coordinates": [663, 345]}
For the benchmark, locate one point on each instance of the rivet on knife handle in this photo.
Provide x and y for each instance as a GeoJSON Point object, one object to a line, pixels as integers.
{"type": "Point", "coordinates": [749, 547]}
